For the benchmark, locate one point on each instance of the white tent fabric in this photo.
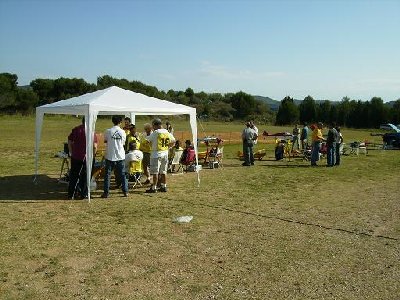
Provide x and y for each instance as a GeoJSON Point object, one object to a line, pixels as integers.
{"type": "Point", "coordinates": [110, 101]}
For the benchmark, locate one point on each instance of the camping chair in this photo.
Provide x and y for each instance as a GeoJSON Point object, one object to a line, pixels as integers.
{"type": "Point", "coordinates": [175, 161]}
{"type": "Point", "coordinates": [219, 156]}
{"type": "Point", "coordinates": [354, 147]}
{"type": "Point", "coordinates": [189, 160]}
{"type": "Point", "coordinates": [215, 157]}
{"type": "Point", "coordinates": [307, 153]}
{"type": "Point", "coordinates": [65, 169]}
{"type": "Point", "coordinates": [135, 172]}
{"type": "Point", "coordinates": [98, 165]}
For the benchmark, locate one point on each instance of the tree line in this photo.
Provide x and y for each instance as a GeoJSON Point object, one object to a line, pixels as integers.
{"type": "Point", "coordinates": [225, 107]}
{"type": "Point", "coordinates": [347, 112]}
{"type": "Point", "coordinates": [216, 106]}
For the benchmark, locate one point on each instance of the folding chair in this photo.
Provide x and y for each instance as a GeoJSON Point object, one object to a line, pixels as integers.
{"type": "Point", "coordinates": [135, 173]}
{"type": "Point", "coordinates": [64, 171]}
{"type": "Point", "coordinates": [98, 165]}
{"type": "Point", "coordinates": [175, 161]}
{"type": "Point", "coordinates": [219, 156]}
{"type": "Point", "coordinates": [189, 160]}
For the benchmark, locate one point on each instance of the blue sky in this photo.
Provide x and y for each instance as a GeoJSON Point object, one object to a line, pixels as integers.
{"type": "Point", "coordinates": [326, 49]}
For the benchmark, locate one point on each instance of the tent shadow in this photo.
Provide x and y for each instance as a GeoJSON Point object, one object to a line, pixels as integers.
{"type": "Point", "coordinates": [23, 188]}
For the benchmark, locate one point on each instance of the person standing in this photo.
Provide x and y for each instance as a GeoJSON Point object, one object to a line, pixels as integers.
{"type": "Point", "coordinates": [304, 137]}
{"type": "Point", "coordinates": [317, 139]}
{"type": "Point", "coordinates": [145, 147]}
{"type": "Point", "coordinates": [248, 136]}
{"type": "Point", "coordinates": [127, 123]}
{"type": "Point", "coordinates": [339, 143]}
{"type": "Point", "coordinates": [331, 146]}
{"type": "Point", "coordinates": [296, 137]}
{"type": "Point", "coordinates": [160, 140]}
{"type": "Point", "coordinates": [115, 138]}
{"type": "Point", "coordinates": [77, 151]}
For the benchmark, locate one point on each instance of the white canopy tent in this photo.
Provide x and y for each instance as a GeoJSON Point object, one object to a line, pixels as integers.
{"type": "Point", "coordinates": [110, 101]}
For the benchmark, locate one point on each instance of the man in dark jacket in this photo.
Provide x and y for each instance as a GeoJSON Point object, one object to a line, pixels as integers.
{"type": "Point", "coordinates": [77, 151]}
{"type": "Point", "coordinates": [331, 145]}
{"type": "Point", "coordinates": [249, 135]}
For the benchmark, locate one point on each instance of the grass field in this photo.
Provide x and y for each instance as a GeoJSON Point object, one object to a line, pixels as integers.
{"type": "Point", "coordinates": [278, 230]}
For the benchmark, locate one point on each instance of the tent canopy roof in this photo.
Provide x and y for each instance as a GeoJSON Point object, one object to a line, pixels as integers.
{"type": "Point", "coordinates": [115, 100]}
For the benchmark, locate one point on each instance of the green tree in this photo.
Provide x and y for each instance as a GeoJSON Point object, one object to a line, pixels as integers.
{"type": "Point", "coordinates": [214, 97]}
{"type": "Point", "coordinates": [395, 112]}
{"type": "Point", "coordinates": [244, 105]}
{"type": "Point", "coordinates": [333, 114]}
{"type": "Point", "coordinates": [8, 91]}
{"type": "Point", "coordinates": [27, 100]}
{"type": "Point", "coordinates": [222, 111]}
{"type": "Point", "coordinates": [378, 113]}
{"type": "Point", "coordinates": [343, 111]}
{"type": "Point", "coordinates": [105, 81]}
{"type": "Point", "coordinates": [308, 110]}
{"type": "Point", "coordinates": [44, 90]}
{"type": "Point", "coordinates": [325, 111]}
{"type": "Point", "coordinates": [288, 112]}
{"type": "Point", "coordinates": [189, 93]}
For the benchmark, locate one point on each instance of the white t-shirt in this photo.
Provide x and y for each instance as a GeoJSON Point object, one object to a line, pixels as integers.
{"type": "Point", "coordinates": [135, 155]}
{"type": "Point", "coordinates": [115, 139]}
{"type": "Point", "coordinates": [160, 140]}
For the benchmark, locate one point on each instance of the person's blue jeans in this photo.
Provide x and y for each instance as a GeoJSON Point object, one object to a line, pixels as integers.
{"type": "Point", "coordinates": [248, 153]}
{"type": "Point", "coordinates": [119, 166]}
{"type": "Point", "coordinates": [330, 155]}
{"type": "Point", "coordinates": [316, 147]}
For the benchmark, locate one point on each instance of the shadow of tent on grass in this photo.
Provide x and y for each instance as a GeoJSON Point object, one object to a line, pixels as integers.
{"type": "Point", "coordinates": [23, 188]}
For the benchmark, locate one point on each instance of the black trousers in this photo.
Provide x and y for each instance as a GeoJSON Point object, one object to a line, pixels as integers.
{"type": "Point", "coordinates": [77, 173]}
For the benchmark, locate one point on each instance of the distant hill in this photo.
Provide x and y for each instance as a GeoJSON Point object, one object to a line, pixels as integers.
{"type": "Point", "coordinates": [273, 104]}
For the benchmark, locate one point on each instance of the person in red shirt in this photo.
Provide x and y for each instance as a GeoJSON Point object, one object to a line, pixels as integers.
{"type": "Point", "coordinates": [77, 151]}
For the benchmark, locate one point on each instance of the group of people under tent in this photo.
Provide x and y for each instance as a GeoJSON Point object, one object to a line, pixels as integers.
{"type": "Point", "coordinates": [123, 145]}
